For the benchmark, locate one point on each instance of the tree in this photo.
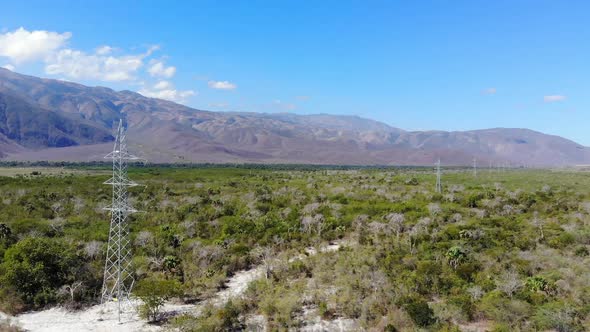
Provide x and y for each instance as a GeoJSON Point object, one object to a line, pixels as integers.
{"type": "Point", "coordinates": [93, 249]}
{"type": "Point", "coordinates": [476, 292]}
{"type": "Point", "coordinates": [509, 283]}
{"type": "Point", "coordinates": [265, 254]}
{"type": "Point", "coordinates": [7, 238]}
{"type": "Point", "coordinates": [539, 223]}
{"type": "Point", "coordinates": [144, 238]}
{"type": "Point", "coordinates": [396, 222]}
{"type": "Point", "coordinates": [71, 290]}
{"type": "Point", "coordinates": [419, 311]}
{"type": "Point", "coordinates": [154, 292]}
{"type": "Point", "coordinates": [36, 267]}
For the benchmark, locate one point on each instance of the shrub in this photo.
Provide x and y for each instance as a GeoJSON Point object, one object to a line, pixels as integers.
{"type": "Point", "coordinates": [280, 304]}
{"type": "Point", "coordinates": [536, 283]}
{"type": "Point", "coordinates": [154, 292]}
{"type": "Point", "coordinates": [212, 319]}
{"type": "Point", "coordinates": [556, 315]}
{"type": "Point", "coordinates": [419, 311]}
{"type": "Point", "coordinates": [582, 251]}
{"type": "Point", "coordinates": [562, 241]}
{"type": "Point", "coordinates": [37, 267]}
{"type": "Point", "coordinates": [10, 302]}
{"type": "Point", "coordinates": [455, 256]}
{"type": "Point", "coordinates": [323, 310]}
{"type": "Point", "coordinates": [501, 309]}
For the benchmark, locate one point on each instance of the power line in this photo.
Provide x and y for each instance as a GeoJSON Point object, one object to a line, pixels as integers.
{"type": "Point", "coordinates": [118, 275]}
{"type": "Point", "coordinates": [438, 184]}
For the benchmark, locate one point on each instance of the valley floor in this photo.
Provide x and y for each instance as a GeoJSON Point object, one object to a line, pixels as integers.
{"type": "Point", "coordinates": [104, 317]}
{"type": "Point", "coordinates": [306, 249]}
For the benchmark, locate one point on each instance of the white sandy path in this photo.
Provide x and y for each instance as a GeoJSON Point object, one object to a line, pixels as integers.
{"type": "Point", "coordinates": [103, 318]}
{"type": "Point", "coordinates": [97, 318]}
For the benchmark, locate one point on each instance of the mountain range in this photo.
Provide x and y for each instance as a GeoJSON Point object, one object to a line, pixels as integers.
{"type": "Point", "coordinates": [46, 119]}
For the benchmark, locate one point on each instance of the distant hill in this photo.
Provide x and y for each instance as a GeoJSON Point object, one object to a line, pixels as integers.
{"type": "Point", "coordinates": [44, 119]}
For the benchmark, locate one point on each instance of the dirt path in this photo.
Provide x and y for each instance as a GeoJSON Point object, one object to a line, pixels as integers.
{"type": "Point", "coordinates": [103, 318]}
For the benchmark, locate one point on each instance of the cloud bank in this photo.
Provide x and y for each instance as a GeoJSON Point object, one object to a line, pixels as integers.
{"type": "Point", "coordinates": [105, 63]}
{"type": "Point", "coordinates": [22, 45]}
{"type": "Point", "coordinates": [222, 85]}
{"type": "Point", "coordinates": [553, 98]}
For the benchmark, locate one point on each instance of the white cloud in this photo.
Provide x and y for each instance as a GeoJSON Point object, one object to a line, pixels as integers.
{"type": "Point", "coordinates": [490, 91]}
{"type": "Point", "coordinates": [169, 94]}
{"type": "Point", "coordinates": [152, 49]}
{"type": "Point", "coordinates": [303, 98]}
{"type": "Point", "coordinates": [100, 64]}
{"type": "Point", "coordinates": [9, 67]}
{"type": "Point", "coordinates": [553, 98]}
{"type": "Point", "coordinates": [22, 45]}
{"type": "Point", "coordinates": [166, 90]}
{"type": "Point", "coordinates": [104, 50]}
{"type": "Point", "coordinates": [79, 65]}
{"type": "Point", "coordinates": [158, 69]}
{"type": "Point", "coordinates": [162, 85]}
{"type": "Point", "coordinates": [222, 85]}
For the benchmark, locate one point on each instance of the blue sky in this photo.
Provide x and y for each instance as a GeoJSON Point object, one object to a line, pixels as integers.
{"type": "Point", "coordinates": [449, 65]}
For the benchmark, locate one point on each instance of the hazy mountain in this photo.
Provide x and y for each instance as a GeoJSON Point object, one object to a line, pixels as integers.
{"type": "Point", "coordinates": [43, 119]}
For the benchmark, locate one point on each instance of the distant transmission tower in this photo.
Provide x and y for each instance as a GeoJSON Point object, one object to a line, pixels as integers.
{"type": "Point", "coordinates": [438, 184]}
{"type": "Point", "coordinates": [474, 167]}
{"type": "Point", "coordinates": [118, 275]}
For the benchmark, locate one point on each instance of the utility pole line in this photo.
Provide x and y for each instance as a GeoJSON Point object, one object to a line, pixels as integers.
{"type": "Point", "coordinates": [438, 184]}
{"type": "Point", "coordinates": [118, 274]}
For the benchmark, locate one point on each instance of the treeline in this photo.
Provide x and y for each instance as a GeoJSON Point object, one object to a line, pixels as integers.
{"type": "Point", "coordinates": [141, 164]}
{"type": "Point", "coordinates": [188, 165]}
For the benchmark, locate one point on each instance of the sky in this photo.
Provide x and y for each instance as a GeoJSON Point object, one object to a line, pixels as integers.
{"type": "Point", "coordinates": [415, 65]}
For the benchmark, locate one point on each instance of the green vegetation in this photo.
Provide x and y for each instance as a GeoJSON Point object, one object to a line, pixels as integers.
{"type": "Point", "coordinates": [507, 248]}
{"type": "Point", "coordinates": [154, 292]}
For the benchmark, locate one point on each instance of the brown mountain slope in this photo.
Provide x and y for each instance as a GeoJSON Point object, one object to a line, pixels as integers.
{"type": "Point", "coordinates": [68, 114]}
{"type": "Point", "coordinates": [29, 125]}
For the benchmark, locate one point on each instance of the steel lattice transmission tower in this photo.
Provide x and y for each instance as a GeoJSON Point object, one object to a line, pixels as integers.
{"type": "Point", "coordinates": [474, 167]}
{"type": "Point", "coordinates": [118, 275]}
{"type": "Point", "coordinates": [438, 184]}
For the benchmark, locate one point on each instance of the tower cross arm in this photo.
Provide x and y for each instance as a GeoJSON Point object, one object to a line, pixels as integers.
{"type": "Point", "coordinates": [121, 182]}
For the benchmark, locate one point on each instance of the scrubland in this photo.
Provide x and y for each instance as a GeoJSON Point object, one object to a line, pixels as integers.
{"type": "Point", "coordinates": [503, 251]}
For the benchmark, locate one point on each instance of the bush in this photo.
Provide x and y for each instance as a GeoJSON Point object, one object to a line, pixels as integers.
{"type": "Point", "coordinates": [10, 302]}
{"type": "Point", "coordinates": [280, 304]}
{"type": "Point", "coordinates": [212, 319]}
{"type": "Point", "coordinates": [556, 315]}
{"type": "Point", "coordinates": [323, 310]}
{"type": "Point", "coordinates": [154, 293]}
{"type": "Point", "coordinates": [419, 311]}
{"type": "Point", "coordinates": [35, 268]}
{"type": "Point", "coordinates": [582, 251]}
{"type": "Point", "coordinates": [562, 241]}
{"type": "Point", "coordinates": [501, 309]}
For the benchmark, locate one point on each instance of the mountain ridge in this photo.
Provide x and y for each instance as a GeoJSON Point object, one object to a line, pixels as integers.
{"type": "Point", "coordinates": [65, 116]}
